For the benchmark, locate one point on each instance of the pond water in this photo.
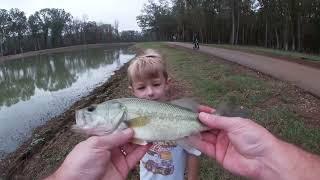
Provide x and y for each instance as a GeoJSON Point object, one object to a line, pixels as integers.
{"type": "Point", "coordinates": [35, 89]}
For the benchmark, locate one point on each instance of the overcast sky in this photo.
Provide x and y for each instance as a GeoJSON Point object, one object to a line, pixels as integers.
{"type": "Point", "coordinates": [106, 11]}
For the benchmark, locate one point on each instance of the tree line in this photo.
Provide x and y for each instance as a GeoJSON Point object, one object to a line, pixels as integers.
{"type": "Point", "coordinates": [281, 24]}
{"type": "Point", "coordinates": [51, 28]}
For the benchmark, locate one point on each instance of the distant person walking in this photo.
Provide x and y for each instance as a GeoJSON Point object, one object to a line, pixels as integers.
{"type": "Point", "coordinates": [195, 41]}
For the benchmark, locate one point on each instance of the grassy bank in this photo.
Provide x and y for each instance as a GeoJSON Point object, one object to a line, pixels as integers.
{"type": "Point", "coordinates": [283, 109]}
{"type": "Point", "coordinates": [271, 52]}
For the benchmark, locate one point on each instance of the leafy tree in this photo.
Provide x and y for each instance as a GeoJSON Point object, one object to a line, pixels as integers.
{"type": "Point", "coordinates": [4, 28]}
{"type": "Point", "coordinates": [18, 27]}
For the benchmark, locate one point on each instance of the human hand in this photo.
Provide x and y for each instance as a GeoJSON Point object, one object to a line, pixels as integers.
{"type": "Point", "coordinates": [238, 144]}
{"type": "Point", "coordinates": [101, 157]}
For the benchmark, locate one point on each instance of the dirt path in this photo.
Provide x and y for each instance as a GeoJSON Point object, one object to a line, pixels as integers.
{"type": "Point", "coordinates": [302, 76]}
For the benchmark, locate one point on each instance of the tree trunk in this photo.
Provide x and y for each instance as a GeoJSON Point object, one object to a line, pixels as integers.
{"type": "Point", "coordinates": [219, 35]}
{"type": "Point", "coordinates": [15, 45]}
{"type": "Point", "coordinates": [293, 48]}
{"type": "Point", "coordinates": [266, 35]}
{"type": "Point", "coordinates": [277, 38]}
{"type": "Point", "coordinates": [286, 45]}
{"type": "Point", "coordinates": [20, 46]}
{"type": "Point", "coordinates": [299, 34]}
{"type": "Point", "coordinates": [1, 43]}
{"type": "Point", "coordinates": [45, 39]}
{"type": "Point", "coordinates": [233, 24]}
{"type": "Point", "coordinates": [84, 38]}
{"type": "Point", "coordinates": [243, 31]}
{"type": "Point", "coordinates": [285, 35]}
{"type": "Point", "coordinates": [201, 36]}
{"type": "Point", "coordinates": [1, 49]}
{"type": "Point", "coordinates": [38, 43]}
{"type": "Point", "coordinates": [251, 31]}
{"type": "Point", "coordinates": [238, 23]}
{"type": "Point", "coordinates": [178, 33]}
{"type": "Point", "coordinates": [35, 44]}
{"type": "Point", "coordinates": [211, 34]}
{"type": "Point", "coordinates": [293, 35]}
{"type": "Point", "coordinates": [183, 36]}
{"type": "Point", "coordinates": [61, 40]}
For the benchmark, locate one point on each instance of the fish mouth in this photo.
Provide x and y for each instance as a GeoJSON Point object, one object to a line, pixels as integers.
{"type": "Point", "coordinates": [80, 118]}
{"type": "Point", "coordinates": [80, 125]}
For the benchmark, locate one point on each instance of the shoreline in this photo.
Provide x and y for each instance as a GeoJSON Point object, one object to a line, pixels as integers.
{"type": "Point", "coordinates": [61, 49]}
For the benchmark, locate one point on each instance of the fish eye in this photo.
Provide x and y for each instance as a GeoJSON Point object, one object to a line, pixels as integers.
{"type": "Point", "coordinates": [91, 108]}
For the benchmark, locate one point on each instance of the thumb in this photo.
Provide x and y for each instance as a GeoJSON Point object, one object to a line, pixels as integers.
{"type": "Point", "coordinates": [218, 122]}
{"type": "Point", "coordinates": [113, 140]}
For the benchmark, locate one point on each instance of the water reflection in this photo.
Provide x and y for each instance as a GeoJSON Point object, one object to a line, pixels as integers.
{"type": "Point", "coordinates": [35, 89]}
{"type": "Point", "coordinates": [20, 78]}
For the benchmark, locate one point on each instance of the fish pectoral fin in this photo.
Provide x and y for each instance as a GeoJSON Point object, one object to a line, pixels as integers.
{"type": "Point", "coordinates": [186, 145]}
{"type": "Point", "coordinates": [187, 103]}
{"type": "Point", "coordinates": [139, 141]}
{"type": "Point", "coordinates": [138, 122]}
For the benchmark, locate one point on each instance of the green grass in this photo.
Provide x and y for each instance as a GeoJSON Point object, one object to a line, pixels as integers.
{"type": "Point", "coordinates": [288, 126]}
{"type": "Point", "coordinates": [214, 82]}
{"type": "Point", "coordinates": [270, 51]}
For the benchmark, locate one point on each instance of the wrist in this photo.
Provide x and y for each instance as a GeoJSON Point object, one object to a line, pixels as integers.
{"type": "Point", "coordinates": [275, 163]}
{"type": "Point", "coordinates": [52, 177]}
{"type": "Point", "coordinates": [287, 161]}
{"type": "Point", "coordinates": [61, 174]}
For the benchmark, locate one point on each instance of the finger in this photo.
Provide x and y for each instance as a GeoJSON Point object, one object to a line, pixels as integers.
{"type": "Point", "coordinates": [222, 146]}
{"type": "Point", "coordinates": [214, 131]}
{"type": "Point", "coordinates": [134, 157]}
{"type": "Point", "coordinates": [113, 140]}
{"type": "Point", "coordinates": [218, 122]}
{"type": "Point", "coordinates": [209, 137]}
{"type": "Point", "coordinates": [129, 147]}
{"type": "Point", "coordinates": [207, 109]}
{"type": "Point", "coordinates": [206, 136]}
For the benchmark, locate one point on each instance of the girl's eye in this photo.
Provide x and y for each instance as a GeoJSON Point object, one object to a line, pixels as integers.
{"type": "Point", "coordinates": [156, 84]}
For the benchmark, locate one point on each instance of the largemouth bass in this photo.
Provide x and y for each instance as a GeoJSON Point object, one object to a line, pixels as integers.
{"type": "Point", "coordinates": [151, 120]}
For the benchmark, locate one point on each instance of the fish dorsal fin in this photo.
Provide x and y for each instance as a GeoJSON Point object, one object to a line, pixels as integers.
{"type": "Point", "coordinates": [188, 103]}
{"type": "Point", "coordinates": [138, 122]}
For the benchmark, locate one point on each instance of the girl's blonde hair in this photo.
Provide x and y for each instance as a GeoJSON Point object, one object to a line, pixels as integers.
{"type": "Point", "coordinates": [148, 65]}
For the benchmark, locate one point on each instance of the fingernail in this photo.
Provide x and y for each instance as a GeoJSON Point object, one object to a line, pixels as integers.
{"type": "Point", "coordinates": [203, 115]}
{"type": "Point", "coordinates": [127, 131]}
